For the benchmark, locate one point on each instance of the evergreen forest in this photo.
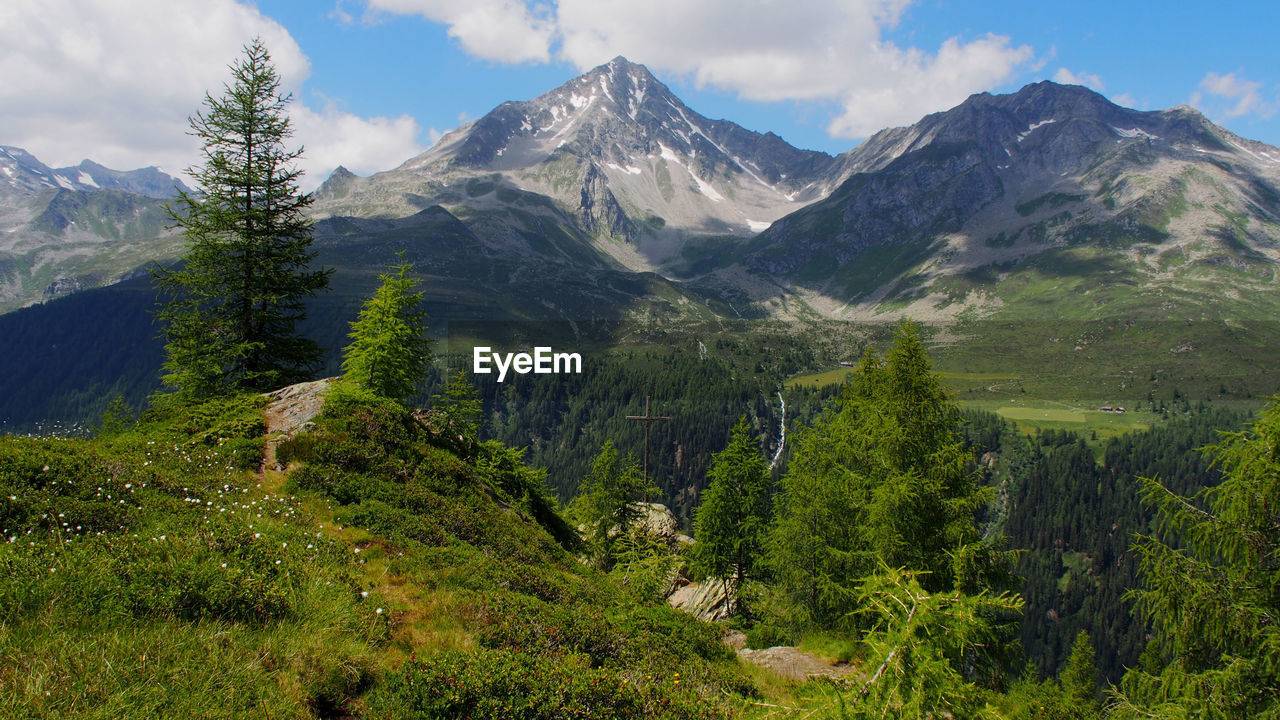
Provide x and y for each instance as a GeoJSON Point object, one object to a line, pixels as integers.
{"type": "Point", "coordinates": [389, 563]}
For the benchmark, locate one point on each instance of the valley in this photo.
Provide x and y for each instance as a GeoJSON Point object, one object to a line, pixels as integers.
{"type": "Point", "coordinates": [1053, 256]}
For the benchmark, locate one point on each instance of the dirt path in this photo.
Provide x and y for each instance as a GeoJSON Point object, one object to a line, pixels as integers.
{"type": "Point", "coordinates": [789, 662]}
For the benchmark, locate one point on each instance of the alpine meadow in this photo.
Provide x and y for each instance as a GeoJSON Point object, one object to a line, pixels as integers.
{"type": "Point", "coordinates": [598, 407]}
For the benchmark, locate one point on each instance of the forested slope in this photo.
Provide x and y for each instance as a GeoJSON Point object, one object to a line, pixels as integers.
{"type": "Point", "coordinates": [1075, 516]}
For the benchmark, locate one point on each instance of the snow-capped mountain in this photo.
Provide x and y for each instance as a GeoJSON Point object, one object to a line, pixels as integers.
{"type": "Point", "coordinates": [612, 172]}
{"type": "Point", "coordinates": [21, 172]}
{"type": "Point", "coordinates": [66, 229]}
{"type": "Point", "coordinates": [618, 151]}
{"type": "Point", "coordinates": [1004, 183]}
{"type": "Point", "coordinates": [1057, 222]}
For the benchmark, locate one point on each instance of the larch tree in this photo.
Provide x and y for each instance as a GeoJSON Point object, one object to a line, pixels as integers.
{"type": "Point", "coordinates": [389, 352]}
{"type": "Point", "coordinates": [1079, 678]}
{"type": "Point", "coordinates": [231, 308]}
{"type": "Point", "coordinates": [884, 480]}
{"type": "Point", "coordinates": [460, 401]}
{"type": "Point", "coordinates": [608, 504]}
{"type": "Point", "coordinates": [1211, 590]}
{"type": "Point", "coordinates": [920, 645]}
{"type": "Point", "coordinates": [730, 523]}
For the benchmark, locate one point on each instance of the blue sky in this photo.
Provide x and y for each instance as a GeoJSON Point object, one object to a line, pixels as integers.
{"type": "Point", "coordinates": [376, 81]}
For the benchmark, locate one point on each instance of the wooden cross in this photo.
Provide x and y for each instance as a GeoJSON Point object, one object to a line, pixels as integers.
{"type": "Point", "coordinates": [648, 419]}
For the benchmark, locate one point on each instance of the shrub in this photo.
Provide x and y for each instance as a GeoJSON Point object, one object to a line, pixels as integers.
{"type": "Point", "coordinates": [515, 686]}
{"type": "Point", "coordinates": [766, 636]}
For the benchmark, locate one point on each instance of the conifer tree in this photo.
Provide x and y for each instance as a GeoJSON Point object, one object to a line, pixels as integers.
{"type": "Point", "coordinates": [117, 418]}
{"type": "Point", "coordinates": [1211, 589]}
{"type": "Point", "coordinates": [886, 479]}
{"type": "Point", "coordinates": [233, 305]}
{"type": "Point", "coordinates": [460, 401]}
{"type": "Point", "coordinates": [607, 505]}
{"type": "Point", "coordinates": [1079, 678]}
{"type": "Point", "coordinates": [730, 523]}
{"type": "Point", "coordinates": [389, 354]}
{"type": "Point", "coordinates": [919, 645]}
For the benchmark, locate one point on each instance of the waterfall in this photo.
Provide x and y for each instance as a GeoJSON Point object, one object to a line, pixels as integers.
{"type": "Point", "coordinates": [782, 431]}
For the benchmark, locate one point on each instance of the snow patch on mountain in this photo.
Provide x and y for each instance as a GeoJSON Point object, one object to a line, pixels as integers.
{"type": "Point", "coordinates": [1033, 127]}
{"type": "Point", "coordinates": [1134, 132]}
{"type": "Point", "coordinates": [1253, 154]}
{"type": "Point", "coordinates": [704, 187]}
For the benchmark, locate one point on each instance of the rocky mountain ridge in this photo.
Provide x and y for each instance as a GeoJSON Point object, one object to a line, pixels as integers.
{"type": "Point", "coordinates": [620, 165]}
{"type": "Point", "coordinates": [25, 174]}
{"type": "Point", "coordinates": [635, 169]}
{"type": "Point", "coordinates": [63, 230]}
{"type": "Point", "coordinates": [611, 172]}
{"type": "Point", "coordinates": [1001, 180]}
{"type": "Point", "coordinates": [1041, 208]}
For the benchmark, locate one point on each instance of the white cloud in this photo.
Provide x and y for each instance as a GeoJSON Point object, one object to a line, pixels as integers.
{"type": "Point", "coordinates": [1126, 100]}
{"type": "Point", "coordinates": [339, 14]}
{"type": "Point", "coordinates": [1231, 96]}
{"type": "Point", "coordinates": [1089, 80]}
{"type": "Point", "coordinates": [333, 137]}
{"type": "Point", "coordinates": [913, 84]}
{"type": "Point", "coordinates": [500, 30]}
{"type": "Point", "coordinates": [766, 50]}
{"type": "Point", "coordinates": [116, 82]}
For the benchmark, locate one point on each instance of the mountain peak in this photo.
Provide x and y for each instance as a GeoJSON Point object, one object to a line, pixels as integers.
{"type": "Point", "coordinates": [625, 153]}
{"type": "Point", "coordinates": [622, 66]}
{"type": "Point", "coordinates": [616, 65]}
{"type": "Point", "coordinates": [338, 184]}
{"type": "Point", "coordinates": [625, 84]}
{"type": "Point", "coordinates": [1046, 167]}
{"type": "Point", "coordinates": [1038, 98]}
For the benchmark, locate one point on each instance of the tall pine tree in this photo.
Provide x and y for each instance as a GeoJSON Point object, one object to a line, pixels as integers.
{"type": "Point", "coordinates": [233, 305]}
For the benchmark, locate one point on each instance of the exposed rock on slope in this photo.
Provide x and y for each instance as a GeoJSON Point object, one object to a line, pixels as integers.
{"type": "Point", "coordinates": [659, 521]}
{"type": "Point", "coordinates": [292, 408]}
{"type": "Point", "coordinates": [706, 601]}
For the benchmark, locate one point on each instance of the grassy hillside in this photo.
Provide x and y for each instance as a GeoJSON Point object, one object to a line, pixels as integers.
{"type": "Point", "coordinates": [394, 571]}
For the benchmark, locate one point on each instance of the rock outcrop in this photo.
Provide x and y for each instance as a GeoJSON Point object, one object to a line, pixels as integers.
{"type": "Point", "coordinates": [658, 520]}
{"type": "Point", "coordinates": [292, 408]}
{"type": "Point", "coordinates": [708, 601]}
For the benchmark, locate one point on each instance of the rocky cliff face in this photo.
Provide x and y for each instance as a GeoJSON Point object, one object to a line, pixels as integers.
{"type": "Point", "coordinates": [599, 210]}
